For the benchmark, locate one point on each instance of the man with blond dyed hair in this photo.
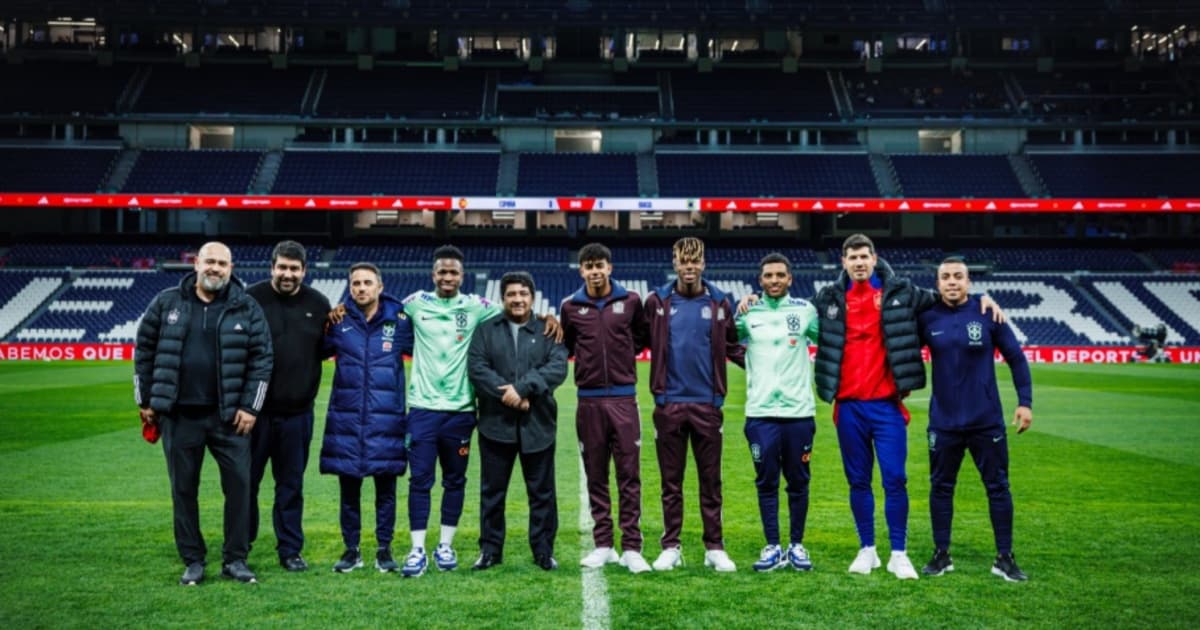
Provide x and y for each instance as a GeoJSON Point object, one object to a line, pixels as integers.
{"type": "Point", "coordinates": [691, 336]}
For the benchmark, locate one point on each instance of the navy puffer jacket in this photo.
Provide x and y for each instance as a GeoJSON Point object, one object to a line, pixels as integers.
{"type": "Point", "coordinates": [365, 424]}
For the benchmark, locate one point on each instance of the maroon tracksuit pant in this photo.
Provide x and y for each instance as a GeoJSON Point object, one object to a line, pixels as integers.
{"type": "Point", "coordinates": [611, 428]}
{"type": "Point", "coordinates": [674, 424]}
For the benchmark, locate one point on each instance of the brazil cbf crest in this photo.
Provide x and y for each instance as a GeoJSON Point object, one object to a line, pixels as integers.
{"type": "Point", "coordinates": [974, 332]}
{"type": "Point", "coordinates": [389, 334]}
{"type": "Point", "coordinates": [173, 316]}
{"type": "Point", "coordinates": [793, 323]}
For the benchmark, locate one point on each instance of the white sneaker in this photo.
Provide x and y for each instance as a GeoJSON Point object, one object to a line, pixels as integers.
{"type": "Point", "coordinates": [866, 560]}
{"type": "Point", "coordinates": [635, 562]}
{"type": "Point", "coordinates": [669, 559]}
{"type": "Point", "coordinates": [900, 566]}
{"type": "Point", "coordinates": [599, 557]}
{"type": "Point", "coordinates": [719, 560]}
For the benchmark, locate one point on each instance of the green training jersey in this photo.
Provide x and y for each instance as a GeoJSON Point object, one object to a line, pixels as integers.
{"type": "Point", "coordinates": [778, 369]}
{"type": "Point", "coordinates": [442, 329]}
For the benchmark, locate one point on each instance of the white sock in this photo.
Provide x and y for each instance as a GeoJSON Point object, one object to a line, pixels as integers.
{"type": "Point", "coordinates": [448, 534]}
{"type": "Point", "coordinates": [418, 539]}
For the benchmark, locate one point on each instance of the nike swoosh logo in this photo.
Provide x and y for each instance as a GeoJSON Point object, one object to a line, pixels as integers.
{"type": "Point", "coordinates": [936, 333]}
{"type": "Point", "coordinates": [347, 328]}
{"type": "Point", "coordinates": [426, 318]}
{"type": "Point", "coordinates": [997, 438]}
{"type": "Point", "coordinates": [755, 325]}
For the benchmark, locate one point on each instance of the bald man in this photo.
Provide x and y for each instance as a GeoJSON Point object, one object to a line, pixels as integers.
{"type": "Point", "coordinates": [201, 369]}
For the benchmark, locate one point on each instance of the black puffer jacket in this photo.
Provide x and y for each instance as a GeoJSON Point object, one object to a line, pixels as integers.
{"type": "Point", "coordinates": [243, 350]}
{"type": "Point", "coordinates": [901, 303]}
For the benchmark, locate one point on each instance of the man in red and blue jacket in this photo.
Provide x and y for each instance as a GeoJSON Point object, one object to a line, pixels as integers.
{"type": "Point", "coordinates": [692, 334]}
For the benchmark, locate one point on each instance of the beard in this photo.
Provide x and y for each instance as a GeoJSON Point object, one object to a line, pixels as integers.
{"type": "Point", "coordinates": [213, 284]}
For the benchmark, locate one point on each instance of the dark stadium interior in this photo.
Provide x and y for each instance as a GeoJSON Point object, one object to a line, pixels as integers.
{"type": "Point", "coordinates": [646, 101]}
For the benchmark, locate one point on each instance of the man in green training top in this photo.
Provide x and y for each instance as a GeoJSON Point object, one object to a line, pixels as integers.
{"type": "Point", "coordinates": [441, 402]}
{"type": "Point", "coordinates": [780, 407]}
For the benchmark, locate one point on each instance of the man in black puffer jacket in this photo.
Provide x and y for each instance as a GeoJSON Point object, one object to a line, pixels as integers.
{"type": "Point", "coordinates": [868, 359]}
{"type": "Point", "coordinates": [201, 370]}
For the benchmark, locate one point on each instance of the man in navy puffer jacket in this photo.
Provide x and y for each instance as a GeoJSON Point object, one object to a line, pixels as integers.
{"type": "Point", "coordinates": [365, 425]}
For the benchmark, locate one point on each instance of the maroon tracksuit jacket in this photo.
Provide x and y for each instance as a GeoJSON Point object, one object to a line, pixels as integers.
{"type": "Point", "coordinates": [605, 336]}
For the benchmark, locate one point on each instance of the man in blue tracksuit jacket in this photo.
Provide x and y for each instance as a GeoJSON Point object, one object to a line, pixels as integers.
{"type": "Point", "coordinates": [365, 425]}
{"type": "Point", "coordinates": [965, 413]}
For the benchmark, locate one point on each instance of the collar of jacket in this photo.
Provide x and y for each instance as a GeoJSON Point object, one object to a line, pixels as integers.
{"type": "Point", "coordinates": [667, 289]}
{"type": "Point", "coordinates": [618, 293]}
{"type": "Point", "coordinates": [883, 271]}
{"type": "Point", "coordinates": [503, 320]}
{"type": "Point", "coordinates": [389, 305]}
{"type": "Point", "coordinates": [234, 290]}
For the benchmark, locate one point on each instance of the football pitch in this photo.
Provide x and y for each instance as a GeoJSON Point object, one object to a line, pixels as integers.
{"type": "Point", "coordinates": [1106, 487]}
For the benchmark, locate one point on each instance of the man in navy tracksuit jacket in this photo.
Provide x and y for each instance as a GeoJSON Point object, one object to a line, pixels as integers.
{"type": "Point", "coordinates": [691, 336]}
{"type": "Point", "coordinates": [965, 413]}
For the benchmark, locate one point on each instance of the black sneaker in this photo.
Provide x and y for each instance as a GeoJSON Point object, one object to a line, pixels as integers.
{"type": "Point", "coordinates": [384, 560]}
{"type": "Point", "coordinates": [350, 561]}
{"type": "Point", "coordinates": [940, 563]}
{"type": "Point", "coordinates": [193, 574]}
{"type": "Point", "coordinates": [1006, 567]}
{"type": "Point", "coordinates": [546, 562]}
{"type": "Point", "coordinates": [238, 570]}
{"type": "Point", "coordinates": [486, 561]}
{"type": "Point", "coordinates": [295, 563]}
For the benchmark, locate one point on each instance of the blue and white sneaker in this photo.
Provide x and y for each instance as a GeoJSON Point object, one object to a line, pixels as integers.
{"type": "Point", "coordinates": [415, 563]}
{"type": "Point", "coordinates": [770, 559]}
{"type": "Point", "coordinates": [445, 558]}
{"type": "Point", "coordinates": [797, 556]}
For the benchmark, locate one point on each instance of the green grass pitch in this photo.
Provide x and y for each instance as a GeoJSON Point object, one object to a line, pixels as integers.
{"type": "Point", "coordinates": [1106, 487]}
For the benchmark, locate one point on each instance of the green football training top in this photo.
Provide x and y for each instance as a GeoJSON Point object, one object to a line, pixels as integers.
{"type": "Point", "coordinates": [778, 369]}
{"type": "Point", "coordinates": [442, 329]}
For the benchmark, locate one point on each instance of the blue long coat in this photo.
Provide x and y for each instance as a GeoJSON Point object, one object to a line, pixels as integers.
{"type": "Point", "coordinates": [365, 425]}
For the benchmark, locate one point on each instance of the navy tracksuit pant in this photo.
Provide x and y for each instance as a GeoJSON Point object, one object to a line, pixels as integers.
{"type": "Point", "coordinates": [989, 450]}
{"type": "Point", "coordinates": [781, 445]}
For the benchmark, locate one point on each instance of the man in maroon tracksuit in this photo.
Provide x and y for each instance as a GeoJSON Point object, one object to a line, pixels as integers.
{"type": "Point", "coordinates": [604, 329]}
{"type": "Point", "coordinates": [692, 334]}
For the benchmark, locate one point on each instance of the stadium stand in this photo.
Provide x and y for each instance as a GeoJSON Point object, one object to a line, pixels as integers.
{"type": "Point", "coordinates": [50, 170]}
{"type": "Point", "coordinates": [92, 255]}
{"type": "Point", "coordinates": [956, 176]}
{"type": "Point", "coordinates": [40, 87]}
{"type": "Point", "coordinates": [1057, 258]}
{"type": "Point", "coordinates": [592, 174]}
{"type": "Point", "coordinates": [401, 93]}
{"type": "Point", "coordinates": [22, 293]}
{"type": "Point", "coordinates": [1119, 175]}
{"type": "Point", "coordinates": [196, 172]}
{"type": "Point", "coordinates": [1144, 301]}
{"type": "Point", "coordinates": [387, 172]}
{"type": "Point", "coordinates": [760, 175]}
{"type": "Point", "coordinates": [752, 95]}
{"type": "Point", "coordinates": [901, 93]}
{"type": "Point", "coordinates": [224, 89]}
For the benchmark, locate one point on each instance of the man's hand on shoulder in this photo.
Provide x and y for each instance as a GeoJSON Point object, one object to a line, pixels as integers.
{"type": "Point", "coordinates": [986, 303]}
{"type": "Point", "coordinates": [746, 302]}
{"type": "Point", "coordinates": [553, 327]}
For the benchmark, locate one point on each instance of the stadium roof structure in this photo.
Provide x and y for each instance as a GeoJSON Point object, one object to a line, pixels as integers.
{"type": "Point", "coordinates": [1044, 14]}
